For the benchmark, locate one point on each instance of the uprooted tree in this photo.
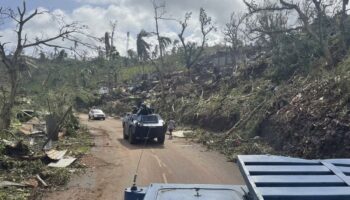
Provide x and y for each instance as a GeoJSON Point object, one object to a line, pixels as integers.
{"type": "Point", "coordinates": [14, 61]}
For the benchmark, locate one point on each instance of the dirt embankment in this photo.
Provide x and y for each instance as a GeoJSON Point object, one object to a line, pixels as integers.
{"type": "Point", "coordinates": [315, 123]}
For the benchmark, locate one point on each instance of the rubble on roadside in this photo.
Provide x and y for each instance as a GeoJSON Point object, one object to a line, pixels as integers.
{"type": "Point", "coordinates": [182, 133]}
{"type": "Point", "coordinates": [24, 165]}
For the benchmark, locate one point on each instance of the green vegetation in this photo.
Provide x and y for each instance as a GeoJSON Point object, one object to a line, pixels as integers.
{"type": "Point", "coordinates": [272, 88]}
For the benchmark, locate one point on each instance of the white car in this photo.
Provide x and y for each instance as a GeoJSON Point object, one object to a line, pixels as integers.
{"type": "Point", "coordinates": [97, 114]}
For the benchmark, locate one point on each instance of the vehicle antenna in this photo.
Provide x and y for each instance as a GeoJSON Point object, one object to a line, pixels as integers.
{"type": "Point", "coordinates": [134, 187]}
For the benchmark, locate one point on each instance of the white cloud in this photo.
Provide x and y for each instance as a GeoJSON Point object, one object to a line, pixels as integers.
{"type": "Point", "coordinates": [99, 2]}
{"type": "Point", "coordinates": [131, 16]}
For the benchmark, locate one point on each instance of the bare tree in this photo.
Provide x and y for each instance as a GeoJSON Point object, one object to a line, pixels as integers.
{"type": "Point", "coordinates": [232, 33]}
{"type": "Point", "coordinates": [192, 51]}
{"type": "Point", "coordinates": [343, 17]}
{"type": "Point", "coordinates": [163, 42]}
{"type": "Point", "coordinates": [319, 8]}
{"type": "Point", "coordinates": [111, 51]}
{"type": "Point", "coordinates": [13, 61]}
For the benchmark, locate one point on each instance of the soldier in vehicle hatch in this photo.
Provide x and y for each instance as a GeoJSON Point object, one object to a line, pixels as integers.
{"type": "Point", "coordinates": [134, 110]}
{"type": "Point", "coordinates": [144, 110]}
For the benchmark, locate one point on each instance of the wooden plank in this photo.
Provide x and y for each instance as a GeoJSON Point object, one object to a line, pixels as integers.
{"type": "Point", "coordinates": [297, 180]}
{"type": "Point", "coordinates": [288, 170]}
{"type": "Point", "coordinates": [302, 193]}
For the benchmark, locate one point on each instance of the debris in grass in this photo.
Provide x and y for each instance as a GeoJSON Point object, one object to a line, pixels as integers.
{"type": "Point", "coordinates": [55, 155]}
{"type": "Point", "coordinates": [62, 163]}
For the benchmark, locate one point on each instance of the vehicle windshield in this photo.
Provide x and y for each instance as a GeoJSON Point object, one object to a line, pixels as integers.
{"type": "Point", "coordinates": [97, 111]}
{"type": "Point", "coordinates": [149, 119]}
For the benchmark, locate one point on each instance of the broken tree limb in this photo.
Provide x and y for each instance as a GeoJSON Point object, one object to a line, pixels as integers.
{"type": "Point", "coordinates": [5, 184]}
{"type": "Point", "coordinates": [61, 122]}
{"type": "Point", "coordinates": [25, 113]}
{"type": "Point", "coordinates": [244, 120]}
{"type": "Point", "coordinates": [54, 124]}
{"type": "Point", "coordinates": [41, 180]}
{"type": "Point", "coordinates": [13, 135]}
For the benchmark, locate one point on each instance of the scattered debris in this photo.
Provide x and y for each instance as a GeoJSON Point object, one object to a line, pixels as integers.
{"type": "Point", "coordinates": [48, 145]}
{"type": "Point", "coordinates": [25, 115]}
{"type": "Point", "coordinates": [41, 180]}
{"type": "Point", "coordinates": [27, 167]}
{"type": "Point", "coordinates": [31, 183]}
{"type": "Point", "coordinates": [32, 127]}
{"type": "Point", "coordinates": [16, 148]}
{"type": "Point", "coordinates": [181, 134]}
{"type": "Point", "coordinates": [26, 129]}
{"type": "Point", "coordinates": [62, 163]}
{"type": "Point", "coordinates": [5, 184]}
{"type": "Point", "coordinates": [55, 155]}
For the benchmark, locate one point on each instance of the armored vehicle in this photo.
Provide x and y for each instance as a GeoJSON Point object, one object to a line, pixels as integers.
{"type": "Point", "coordinates": [145, 127]}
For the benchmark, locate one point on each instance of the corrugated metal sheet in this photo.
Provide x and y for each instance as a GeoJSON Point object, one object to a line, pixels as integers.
{"type": "Point", "coordinates": [56, 155]}
{"type": "Point", "coordinates": [277, 177]}
{"type": "Point", "coordinates": [64, 162]}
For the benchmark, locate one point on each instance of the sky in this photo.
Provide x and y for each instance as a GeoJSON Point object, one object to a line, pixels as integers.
{"type": "Point", "coordinates": [130, 15]}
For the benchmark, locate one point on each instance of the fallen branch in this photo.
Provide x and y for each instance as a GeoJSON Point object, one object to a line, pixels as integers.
{"type": "Point", "coordinates": [13, 135]}
{"type": "Point", "coordinates": [41, 180]}
{"type": "Point", "coordinates": [26, 114]}
{"type": "Point", "coordinates": [5, 184]}
{"type": "Point", "coordinates": [243, 120]}
{"type": "Point", "coordinates": [61, 122]}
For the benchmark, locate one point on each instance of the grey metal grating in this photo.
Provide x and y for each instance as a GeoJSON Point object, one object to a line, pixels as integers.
{"type": "Point", "coordinates": [284, 178]}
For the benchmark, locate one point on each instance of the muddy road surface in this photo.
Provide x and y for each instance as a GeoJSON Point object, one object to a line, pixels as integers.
{"type": "Point", "coordinates": [112, 163]}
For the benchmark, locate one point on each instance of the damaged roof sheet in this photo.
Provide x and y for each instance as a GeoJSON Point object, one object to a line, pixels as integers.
{"type": "Point", "coordinates": [56, 155]}
{"type": "Point", "coordinates": [64, 162]}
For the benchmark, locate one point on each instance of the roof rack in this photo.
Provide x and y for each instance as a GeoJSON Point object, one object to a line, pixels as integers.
{"type": "Point", "coordinates": [285, 178]}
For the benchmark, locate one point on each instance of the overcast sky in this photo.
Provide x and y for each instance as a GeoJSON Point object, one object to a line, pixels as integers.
{"type": "Point", "coordinates": [131, 16]}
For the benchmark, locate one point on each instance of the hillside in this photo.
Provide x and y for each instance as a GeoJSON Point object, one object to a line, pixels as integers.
{"type": "Point", "coordinates": [305, 116]}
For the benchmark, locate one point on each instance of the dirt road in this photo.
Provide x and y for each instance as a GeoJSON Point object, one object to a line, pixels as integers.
{"type": "Point", "coordinates": [112, 164]}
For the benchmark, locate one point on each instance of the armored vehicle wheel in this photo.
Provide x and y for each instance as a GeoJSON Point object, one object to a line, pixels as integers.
{"type": "Point", "coordinates": [161, 139]}
{"type": "Point", "coordinates": [131, 136]}
{"type": "Point", "coordinates": [125, 136]}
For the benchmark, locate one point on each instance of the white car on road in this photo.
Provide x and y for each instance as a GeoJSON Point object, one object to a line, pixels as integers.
{"type": "Point", "coordinates": [97, 114]}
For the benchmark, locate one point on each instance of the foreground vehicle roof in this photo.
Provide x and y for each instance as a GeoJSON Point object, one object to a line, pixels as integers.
{"type": "Point", "coordinates": [267, 178]}
{"type": "Point", "coordinates": [188, 192]}
{"type": "Point", "coordinates": [284, 178]}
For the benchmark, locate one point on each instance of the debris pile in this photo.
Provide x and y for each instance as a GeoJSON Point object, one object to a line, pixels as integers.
{"type": "Point", "coordinates": [29, 159]}
{"type": "Point", "coordinates": [232, 145]}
